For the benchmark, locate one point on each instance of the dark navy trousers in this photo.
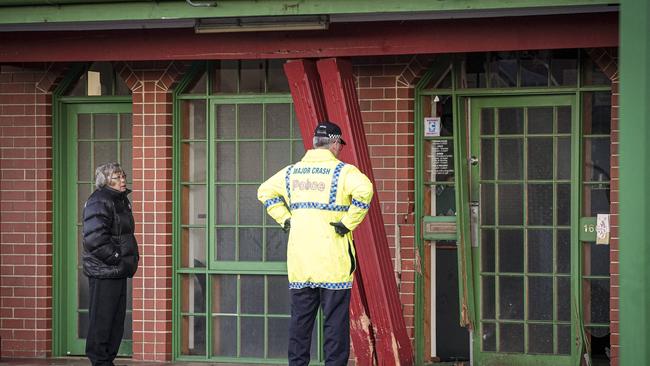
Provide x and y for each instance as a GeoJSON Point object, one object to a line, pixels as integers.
{"type": "Point", "coordinates": [336, 314]}
{"type": "Point", "coordinates": [107, 310]}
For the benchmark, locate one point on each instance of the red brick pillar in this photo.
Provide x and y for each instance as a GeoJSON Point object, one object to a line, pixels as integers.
{"type": "Point", "coordinates": [26, 209]}
{"type": "Point", "coordinates": [151, 84]}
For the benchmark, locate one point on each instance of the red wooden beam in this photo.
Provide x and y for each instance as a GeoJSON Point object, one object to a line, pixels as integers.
{"type": "Point", "coordinates": [392, 344]}
{"type": "Point", "coordinates": [342, 39]}
{"type": "Point", "coordinates": [309, 104]}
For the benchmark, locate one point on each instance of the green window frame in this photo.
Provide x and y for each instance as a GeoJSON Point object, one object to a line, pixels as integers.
{"type": "Point", "coordinates": [230, 134]}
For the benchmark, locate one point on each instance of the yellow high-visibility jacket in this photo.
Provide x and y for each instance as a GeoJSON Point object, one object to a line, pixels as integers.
{"type": "Point", "coordinates": [314, 192]}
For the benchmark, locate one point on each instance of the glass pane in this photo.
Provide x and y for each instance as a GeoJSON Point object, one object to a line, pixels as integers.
{"type": "Point", "coordinates": [84, 169]}
{"type": "Point", "coordinates": [83, 126]}
{"type": "Point", "coordinates": [104, 152]}
{"type": "Point", "coordinates": [540, 158]}
{"type": "Point", "coordinates": [226, 121]}
{"type": "Point", "coordinates": [126, 126]}
{"type": "Point", "coordinates": [120, 87]}
{"type": "Point", "coordinates": [534, 68]}
{"type": "Point", "coordinates": [540, 204]}
{"type": "Point", "coordinates": [487, 159]}
{"type": "Point", "coordinates": [489, 337]}
{"type": "Point", "coordinates": [597, 159]}
{"type": "Point", "coordinates": [252, 76]}
{"type": "Point", "coordinates": [193, 155]}
{"type": "Point", "coordinates": [540, 338]}
{"type": "Point", "coordinates": [597, 110]}
{"type": "Point", "coordinates": [82, 324]}
{"type": "Point", "coordinates": [444, 200]}
{"type": "Point", "coordinates": [511, 210]}
{"type": "Point", "coordinates": [441, 159]}
{"type": "Point", "coordinates": [101, 79]}
{"type": "Point", "coordinates": [511, 121]}
{"type": "Point", "coordinates": [511, 298]}
{"type": "Point", "coordinates": [473, 73]}
{"type": "Point", "coordinates": [540, 120]}
{"type": "Point", "coordinates": [599, 300]}
{"type": "Point", "coordinates": [503, 69]}
{"type": "Point", "coordinates": [563, 294]}
{"type": "Point", "coordinates": [193, 119]}
{"type": "Point", "coordinates": [224, 294]}
{"type": "Point", "coordinates": [540, 298]}
{"type": "Point", "coordinates": [278, 299]}
{"type": "Point", "coordinates": [252, 294]}
{"type": "Point", "coordinates": [540, 251]}
{"type": "Point", "coordinates": [596, 199]}
{"type": "Point", "coordinates": [250, 244]}
{"type": "Point", "coordinates": [597, 260]}
{"type": "Point", "coordinates": [193, 204]}
{"type": "Point", "coordinates": [563, 213]}
{"type": "Point", "coordinates": [277, 81]}
{"type": "Point", "coordinates": [126, 157]}
{"type": "Point", "coordinates": [193, 247]}
{"type": "Point", "coordinates": [224, 76]}
{"type": "Point", "coordinates": [511, 250]}
{"type": "Point", "coordinates": [511, 158]}
{"type": "Point", "coordinates": [226, 162]}
{"type": "Point", "coordinates": [564, 119]}
{"type": "Point", "coordinates": [563, 161]}
{"type": "Point", "coordinates": [278, 337]}
{"type": "Point", "coordinates": [250, 161]}
{"type": "Point", "coordinates": [564, 342]}
{"type": "Point", "coordinates": [250, 209]}
{"type": "Point", "coordinates": [278, 120]}
{"type": "Point", "coordinates": [83, 192]}
{"type": "Point", "coordinates": [276, 245]}
{"type": "Point", "coordinates": [252, 337]}
{"type": "Point", "coordinates": [226, 244]}
{"type": "Point", "coordinates": [564, 68]}
{"type": "Point", "coordinates": [488, 297]}
{"type": "Point", "coordinates": [250, 121]}
{"type": "Point", "coordinates": [487, 121]}
{"type": "Point", "coordinates": [511, 338]}
{"type": "Point", "coordinates": [224, 337]}
{"type": "Point", "coordinates": [563, 251]}
{"type": "Point", "coordinates": [83, 290]}
{"type": "Point", "coordinates": [79, 88]}
{"type": "Point", "coordinates": [440, 74]}
{"type": "Point", "coordinates": [487, 250]}
{"type": "Point", "coordinates": [592, 74]}
{"type": "Point", "coordinates": [128, 326]}
{"type": "Point", "coordinates": [193, 293]}
{"type": "Point", "coordinates": [298, 150]}
{"type": "Point", "coordinates": [277, 157]}
{"type": "Point", "coordinates": [193, 329]}
{"type": "Point", "coordinates": [226, 204]}
{"type": "Point", "coordinates": [198, 85]}
{"type": "Point", "coordinates": [487, 204]}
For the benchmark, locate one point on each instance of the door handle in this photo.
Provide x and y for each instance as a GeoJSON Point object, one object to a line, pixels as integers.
{"type": "Point", "coordinates": [473, 160]}
{"type": "Point", "coordinates": [473, 222]}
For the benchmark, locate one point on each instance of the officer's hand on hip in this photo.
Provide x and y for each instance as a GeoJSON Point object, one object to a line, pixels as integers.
{"type": "Point", "coordinates": [340, 228]}
{"type": "Point", "coordinates": [287, 225]}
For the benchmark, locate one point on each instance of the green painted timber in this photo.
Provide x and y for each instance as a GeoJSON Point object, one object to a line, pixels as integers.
{"type": "Point", "coordinates": [634, 178]}
{"type": "Point", "coordinates": [52, 11]}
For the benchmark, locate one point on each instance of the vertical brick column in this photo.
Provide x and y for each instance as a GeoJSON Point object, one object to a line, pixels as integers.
{"type": "Point", "coordinates": [386, 100]}
{"type": "Point", "coordinates": [151, 84]}
{"type": "Point", "coordinates": [607, 61]}
{"type": "Point", "coordinates": [26, 209]}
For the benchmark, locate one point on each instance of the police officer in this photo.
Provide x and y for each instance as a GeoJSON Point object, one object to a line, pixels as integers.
{"type": "Point", "coordinates": [319, 200]}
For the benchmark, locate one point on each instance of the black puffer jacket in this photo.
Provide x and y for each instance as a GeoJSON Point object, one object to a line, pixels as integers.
{"type": "Point", "coordinates": [110, 249]}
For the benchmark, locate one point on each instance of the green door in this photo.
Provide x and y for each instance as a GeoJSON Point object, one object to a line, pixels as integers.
{"type": "Point", "coordinates": [524, 195]}
{"type": "Point", "coordinates": [93, 134]}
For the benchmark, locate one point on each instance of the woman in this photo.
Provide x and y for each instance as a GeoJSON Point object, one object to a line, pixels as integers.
{"type": "Point", "coordinates": [110, 255]}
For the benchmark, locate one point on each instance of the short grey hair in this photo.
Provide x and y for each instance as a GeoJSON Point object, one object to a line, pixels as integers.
{"type": "Point", "coordinates": [321, 142]}
{"type": "Point", "coordinates": [104, 172]}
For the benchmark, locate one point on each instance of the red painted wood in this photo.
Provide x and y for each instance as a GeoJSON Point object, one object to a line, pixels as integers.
{"type": "Point", "coordinates": [342, 39]}
{"type": "Point", "coordinates": [392, 344]}
{"type": "Point", "coordinates": [309, 105]}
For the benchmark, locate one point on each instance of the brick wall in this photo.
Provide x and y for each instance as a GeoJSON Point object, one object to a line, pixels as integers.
{"type": "Point", "coordinates": [151, 84]}
{"type": "Point", "coordinates": [26, 210]}
{"type": "Point", "coordinates": [386, 97]}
